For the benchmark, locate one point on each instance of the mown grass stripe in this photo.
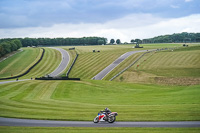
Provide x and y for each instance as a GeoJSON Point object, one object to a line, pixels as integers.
{"type": "Point", "coordinates": [15, 91]}
{"type": "Point", "coordinates": [19, 63]}
{"type": "Point", "coordinates": [90, 64]}
{"type": "Point", "coordinates": [49, 63]}
{"type": "Point", "coordinates": [24, 90]}
{"type": "Point", "coordinates": [44, 66]}
{"type": "Point", "coordinates": [7, 89]}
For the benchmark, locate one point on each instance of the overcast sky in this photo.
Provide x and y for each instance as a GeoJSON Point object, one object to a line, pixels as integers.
{"type": "Point", "coordinates": [123, 19]}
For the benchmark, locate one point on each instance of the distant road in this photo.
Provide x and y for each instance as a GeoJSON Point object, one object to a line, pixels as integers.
{"type": "Point", "coordinates": [49, 123]}
{"type": "Point", "coordinates": [109, 68]}
{"type": "Point", "coordinates": [4, 82]}
{"type": "Point", "coordinates": [63, 64]}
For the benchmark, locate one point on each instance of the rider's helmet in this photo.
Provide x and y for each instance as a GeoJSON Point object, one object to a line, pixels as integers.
{"type": "Point", "coordinates": [106, 109]}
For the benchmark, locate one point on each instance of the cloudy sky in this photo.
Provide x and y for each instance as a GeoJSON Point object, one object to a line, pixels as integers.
{"type": "Point", "coordinates": [123, 19]}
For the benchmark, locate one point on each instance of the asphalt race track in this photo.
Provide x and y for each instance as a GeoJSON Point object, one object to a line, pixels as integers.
{"type": "Point", "coordinates": [63, 64]}
{"type": "Point", "coordinates": [4, 82]}
{"type": "Point", "coordinates": [109, 68]}
{"type": "Point", "coordinates": [49, 123]}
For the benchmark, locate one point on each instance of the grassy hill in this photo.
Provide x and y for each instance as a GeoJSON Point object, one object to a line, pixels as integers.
{"type": "Point", "coordinates": [20, 62]}
{"type": "Point", "coordinates": [81, 100]}
{"type": "Point", "coordinates": [48, 64]}
{"type": "Point", "coordinates": [181, 66]}
{"type": "Point", "coordinates": [89, 64]}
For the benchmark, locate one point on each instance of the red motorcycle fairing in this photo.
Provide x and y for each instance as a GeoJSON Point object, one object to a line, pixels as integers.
{"type": "Point", "coordinates": [101, 116]}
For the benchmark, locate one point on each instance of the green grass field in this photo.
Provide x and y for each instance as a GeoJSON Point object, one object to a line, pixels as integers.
{"type": "Point", "coordinates": [48, 64]}
{"type": "Point", "coordinates": [20, 62]}
{"type": "Point", "coordinates": [89, 64]}
{"type": "Point", "coordinates": [180, 65]}
{"type": "Point", "coordinates": [81, 100]}
{"type": "Point", "coordinates": [174, 64]}
{"type": "Point", "coordinates": [96, 130]}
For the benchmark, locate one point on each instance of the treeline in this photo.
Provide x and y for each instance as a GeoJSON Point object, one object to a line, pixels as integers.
{"type": "Point", "coordinates": [7, 46]}
{"type": "Point", "coordinates": [183, 37]}
{"type": "Point", "coordinates": [61, 41]}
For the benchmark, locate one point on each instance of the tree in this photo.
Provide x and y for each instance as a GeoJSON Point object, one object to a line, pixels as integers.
{"type": "Point", "coordinates": [18, 43]}
{"type": "Point", "coordinates": [198, 39]}
{"type": "Point", "coordinates": [118, 41]}
{"type": "Point", "coordinates": [112, 41]}
{"type": "Point", "coordinates": [132, 40]}
{"type": "Point", "coordinates": [13, 46]}
{"type": "Point", "coordinates": [138, 40]}
{"type": "Point", "coordinates": [8, 45]}
{"type": "Point", "coordinates": [100, 42]}
{"type": "Point", "coordinates": [1, 50]}
{"type": "Point", "coordinates": [6, 48]}
{"type": "Point", "coordinates": [27, 42]}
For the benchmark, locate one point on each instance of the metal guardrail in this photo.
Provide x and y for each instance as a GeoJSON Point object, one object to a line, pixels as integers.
{"type": "Point", "coordinates": [72, 65]}
{"type": "Point", "coordinates": [56, 78]}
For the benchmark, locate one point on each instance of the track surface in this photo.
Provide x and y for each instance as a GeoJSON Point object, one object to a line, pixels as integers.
{"type": "Point", "coordinates": [4, 82]}
{"type": "Point", "coordinates": [63, 64]}
{"type": "Point", "coordinates": [48, 123]}
{"type": "Point", "coordinates": [109, 68]}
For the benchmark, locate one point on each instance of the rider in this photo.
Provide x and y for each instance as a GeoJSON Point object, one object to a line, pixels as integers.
{"type": "Point", "coordinates": [106, 111]}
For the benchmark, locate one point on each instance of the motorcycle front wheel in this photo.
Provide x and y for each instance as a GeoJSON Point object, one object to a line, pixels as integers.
{"type": "Point", "coordinates": [96, 119]}
{"type": "Point", "coordinates": [111, 119]}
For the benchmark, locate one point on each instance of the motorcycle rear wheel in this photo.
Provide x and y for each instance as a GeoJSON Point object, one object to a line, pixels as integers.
{"type": "Point", "coordinates": [111, 119]}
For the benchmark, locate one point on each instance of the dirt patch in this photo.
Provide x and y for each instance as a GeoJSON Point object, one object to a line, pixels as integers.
{"type": "Point", "coordinates": [177, 81]}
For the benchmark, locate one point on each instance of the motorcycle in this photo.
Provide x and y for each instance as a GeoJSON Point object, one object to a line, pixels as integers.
{"type": "Point", "coordinates": [111, 117]}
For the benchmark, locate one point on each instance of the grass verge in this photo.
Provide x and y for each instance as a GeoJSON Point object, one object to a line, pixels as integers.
{"type": "Point", "coordinates": [96, 130]}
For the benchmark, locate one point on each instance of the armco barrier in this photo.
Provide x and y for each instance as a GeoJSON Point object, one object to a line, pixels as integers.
{"type": "Point", "coordinates": [56, 78]}
{"type": "Point", "coordinates": [14, 77]}
{"type": "Point", "coordinates": [72, 65]}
